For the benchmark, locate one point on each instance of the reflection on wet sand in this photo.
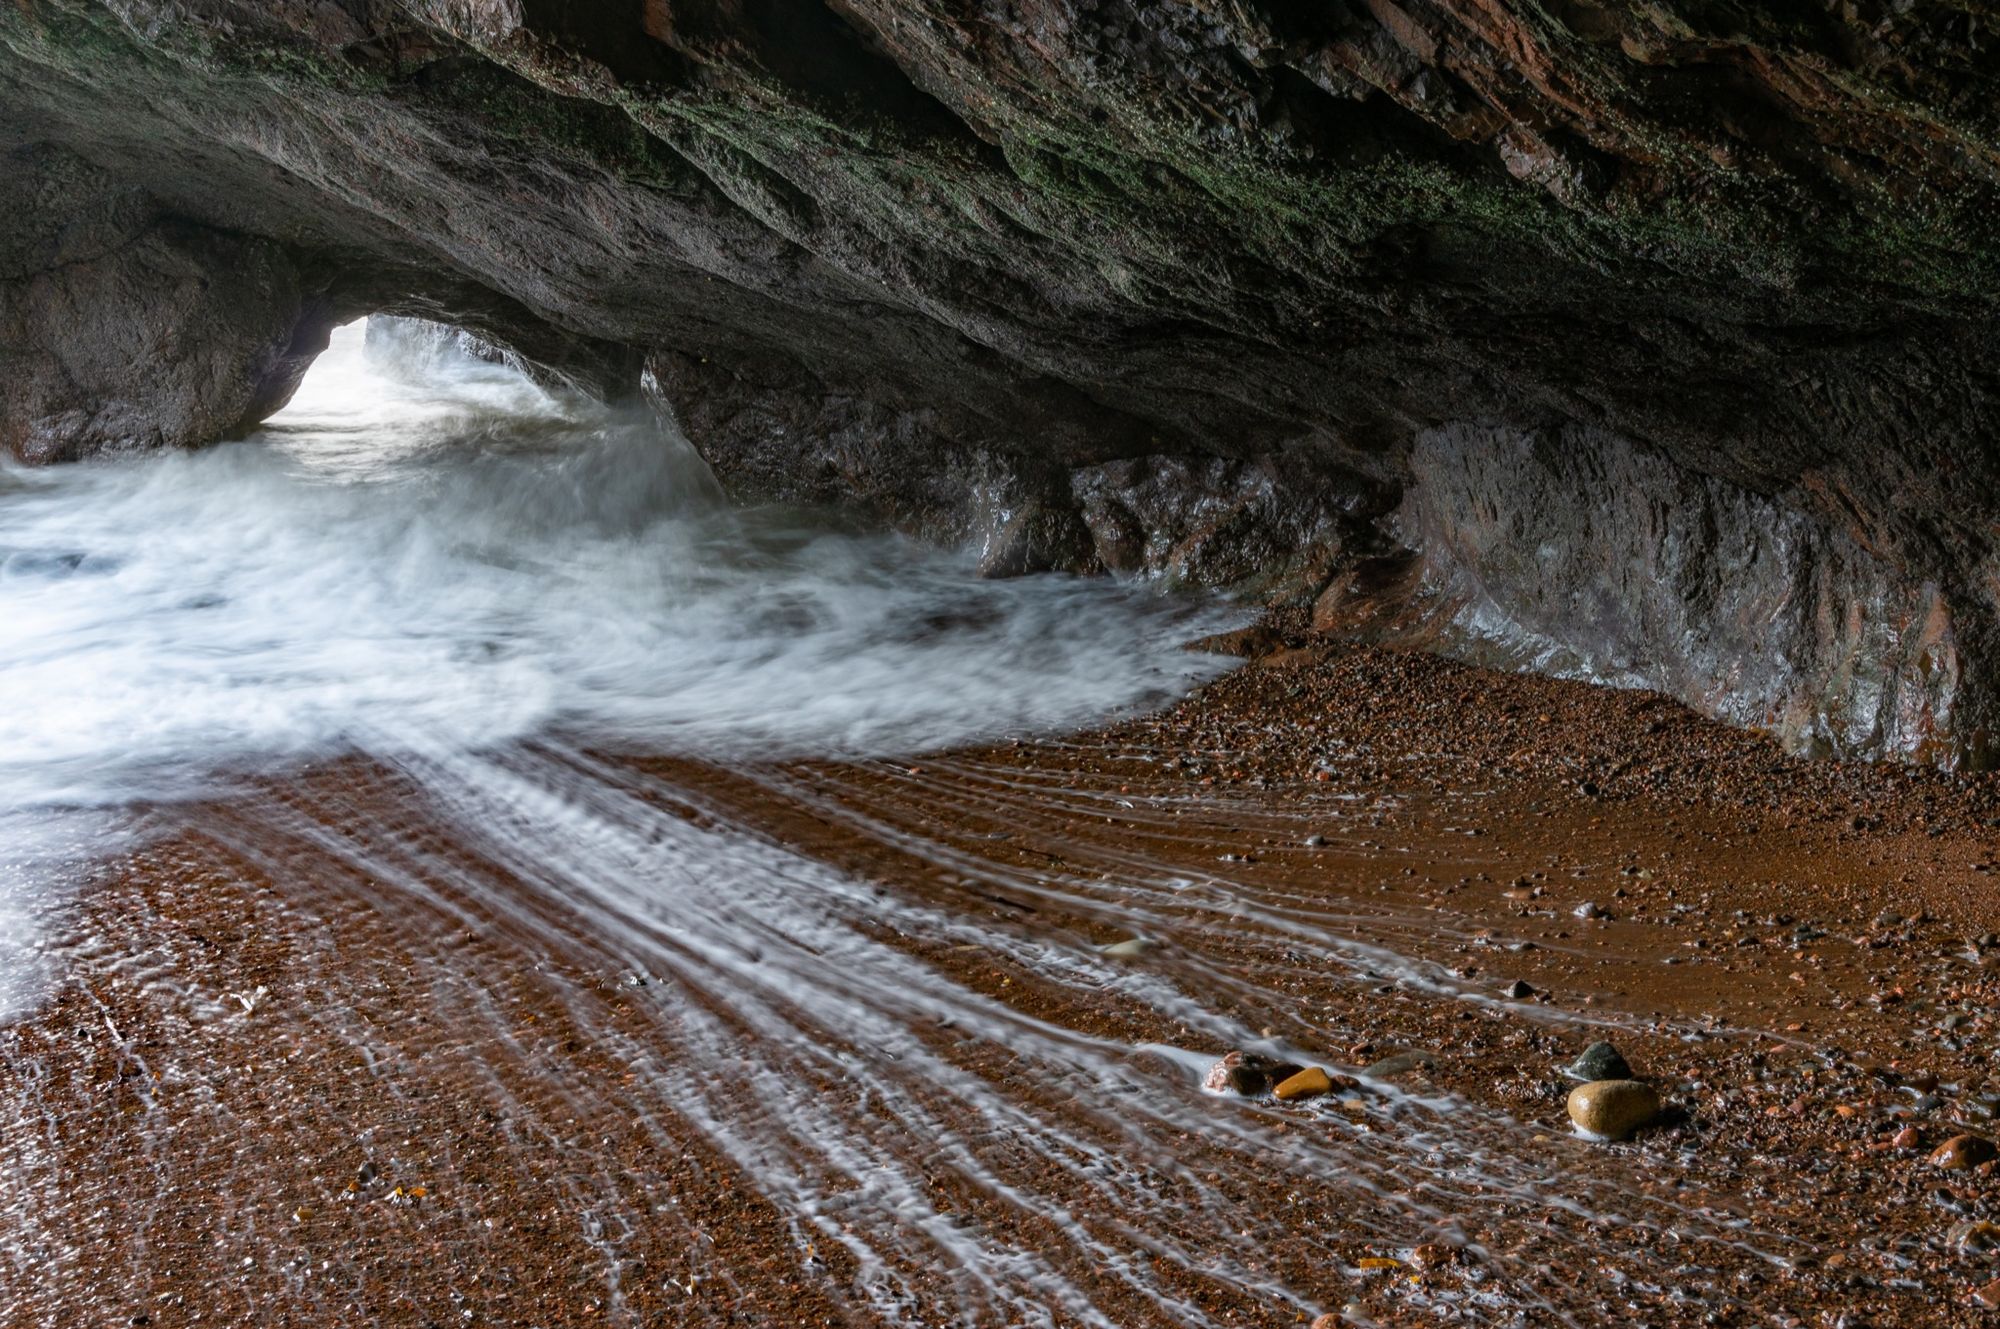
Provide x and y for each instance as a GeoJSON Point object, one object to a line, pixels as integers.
{"type": "Point", "coordinates": [550, 1037]}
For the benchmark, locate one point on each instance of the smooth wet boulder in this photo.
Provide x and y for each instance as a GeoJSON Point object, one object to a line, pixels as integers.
{"type": "Point", "coordinates": [1599, 1061]}
{"type": "Point", "coordinates": [1399, 1064]}
{"type": "Point", "coordinates": [1613, 1109]}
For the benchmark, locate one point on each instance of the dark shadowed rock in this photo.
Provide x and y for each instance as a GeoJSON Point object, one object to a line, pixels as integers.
{"type": "Point", "coordinates": [1599, 1061]}
{"type": "Point", "coordinates": [122, 329]}
{"type": "Point", "coordinates": [1654, 343]}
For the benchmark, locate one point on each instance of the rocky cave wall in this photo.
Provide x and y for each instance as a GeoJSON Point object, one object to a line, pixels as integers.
{"type": "Point", "coordinates": [1647, 340]}
{"type": "Point", "coordinates": [99, 288]}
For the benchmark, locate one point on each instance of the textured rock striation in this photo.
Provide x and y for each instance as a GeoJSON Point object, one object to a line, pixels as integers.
{"type": "Point", "coordinates": [1652, 341]}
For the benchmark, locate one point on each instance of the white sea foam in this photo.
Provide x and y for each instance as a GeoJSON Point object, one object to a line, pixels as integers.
{"type": "Point", "coordinates": [431, 554]}
{"type": "Point", "coordinates": [461, 559]}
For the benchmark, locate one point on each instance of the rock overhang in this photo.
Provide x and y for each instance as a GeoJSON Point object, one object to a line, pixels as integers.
{"type": "Point", "coordinates": [1152, 287]}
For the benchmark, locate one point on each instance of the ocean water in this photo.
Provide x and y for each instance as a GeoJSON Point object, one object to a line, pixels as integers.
{"type": "Point", "coordinates": [430, 554]}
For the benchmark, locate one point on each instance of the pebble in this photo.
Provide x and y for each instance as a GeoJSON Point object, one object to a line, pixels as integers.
{"type": "Point", "coordinates": [1588, 909]}
{"type": "Point", "coordinates": [1308, 1083]}
{"type": "Point", "coordinates": [1613, 1109]}
{"type": "Point", "coordinates": [1400, 1063]}
{"type": "Point", "coordinates": [1975, 1237]}
{"type": "Point", "coordinates": [1126, 950]}
{"type": "Point", "coordinates": [1961, 1152]}
{"type": "Point", "coordinates": [1518, 991]}
{"type": "Point", "coordinates": [1247, 1074]}
{"type": "Point", "coordinates": [1599, 1061]}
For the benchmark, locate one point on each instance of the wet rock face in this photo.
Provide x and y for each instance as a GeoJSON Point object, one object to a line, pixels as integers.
{"type": "Point", "coordinates": [98, 291]}
{"type": "Point", "coordinates": [1573, 552]}
{"type": "Point", "coordinates": [1275, 525]}
{"type": "Point", "coordinates": [1019, 477]}
{"type": "Point", "coordinates": [1650, 341]}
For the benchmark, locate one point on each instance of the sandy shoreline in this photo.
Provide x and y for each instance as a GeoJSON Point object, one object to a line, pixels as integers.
{"type": "Point", "coordinates": [323, 1056]}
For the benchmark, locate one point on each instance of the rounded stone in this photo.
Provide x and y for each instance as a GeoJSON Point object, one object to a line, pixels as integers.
{"type": "Point", "coordinates": [1961, 1152]}
{"type": "Point", "coordinates": [1399, 1063]}
{"type": "Point", "coordinates": [1308, 1083]}
{"type": "Point", "coordinates": [1613, 1109]}
{"type": "Point", "coordinates": [1599, 1061]}
{"type": "Point", "coordinates": [1247, 1074]}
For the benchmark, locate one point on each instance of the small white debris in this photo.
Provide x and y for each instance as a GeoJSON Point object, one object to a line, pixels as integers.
{"type": "Point", "coordinates": [1126, 950]}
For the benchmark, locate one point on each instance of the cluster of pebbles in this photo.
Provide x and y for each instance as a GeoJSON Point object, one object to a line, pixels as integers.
{"type": "Point", "coordinates": [1252, 1075]}
{"type": "Point", "coordinates": [1609, 1103]}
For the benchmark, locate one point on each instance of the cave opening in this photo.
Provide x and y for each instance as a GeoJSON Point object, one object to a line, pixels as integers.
{"type": "Point", "coordinates": [944, 663]}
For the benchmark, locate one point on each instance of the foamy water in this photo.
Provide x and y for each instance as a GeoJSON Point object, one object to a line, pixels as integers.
{"type": "Point", "coordinates": [434, 555]}
{"type": "Point", "coordinates": [464, 561]}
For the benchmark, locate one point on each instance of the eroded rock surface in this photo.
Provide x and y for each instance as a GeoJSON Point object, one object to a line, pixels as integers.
{"type": "Point", "coordinates": [1654, 342]}
{"type": "Point", "coordinates": [122, 328]}
{"type": "Point", "coordinates": [1583, 554]}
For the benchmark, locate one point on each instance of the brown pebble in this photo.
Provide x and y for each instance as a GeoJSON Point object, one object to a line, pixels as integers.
{"type": "Point", "coordinates": [1613, 1108]}
{"type": "Point", "coordinates": [1308, 1083]}
{"type": "Point", "coordinates": [1907, 1138]}
{"type": "Point", "coordinates": [1961, 1152]}
{"type": "Point", "coordinates": [1975, 1237]}
{"type": "Point", "coordinates": [1328, 1321]}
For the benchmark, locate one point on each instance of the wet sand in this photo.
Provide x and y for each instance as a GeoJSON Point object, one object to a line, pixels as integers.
{"type": "Point", "coordinates": [554, 1037]}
